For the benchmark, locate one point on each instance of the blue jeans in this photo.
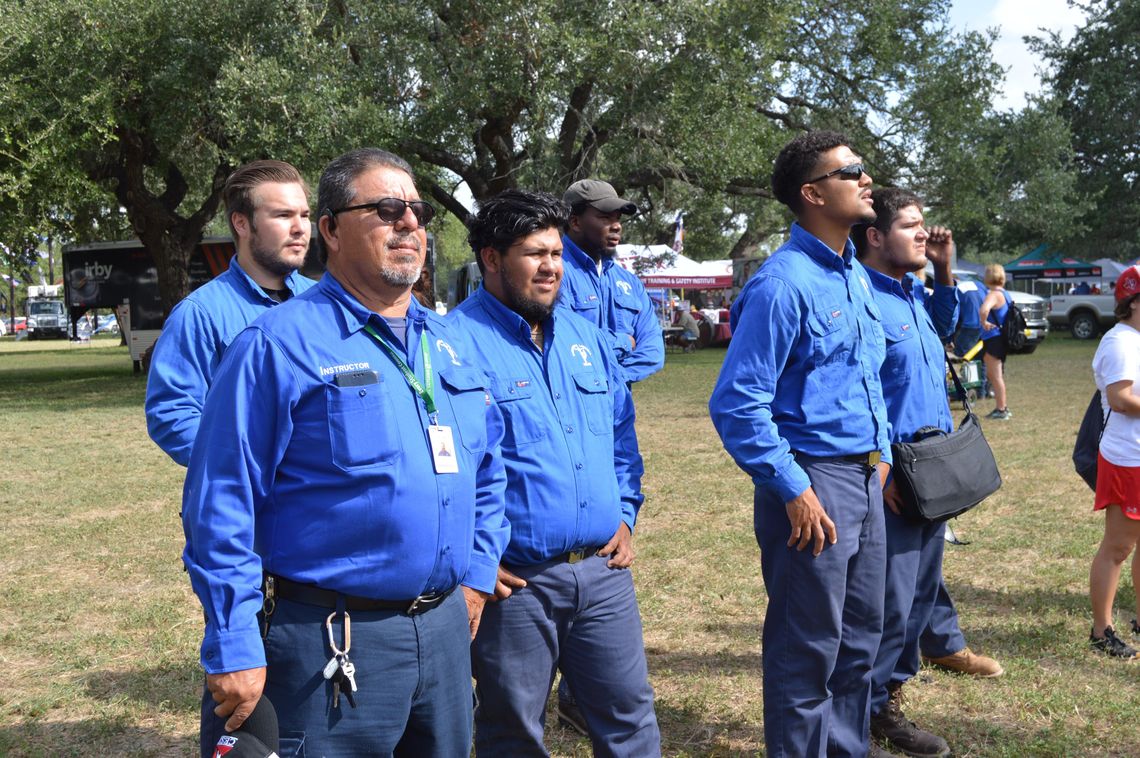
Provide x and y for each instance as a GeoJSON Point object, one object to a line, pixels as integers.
{"type": "Point", "coordinates": [914, 578]}
{"type": "Point", "coordinates": [825, 615]}
{"type": "Point", "coordinates": [583, 619]}
{"type": "Point", "coordinates": [413, 674]}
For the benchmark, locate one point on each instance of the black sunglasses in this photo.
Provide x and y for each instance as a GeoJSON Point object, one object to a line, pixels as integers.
{"type": "Point", "coordinates": [854, 172]}
{"type": "Point", "coordinates": [391, 209]}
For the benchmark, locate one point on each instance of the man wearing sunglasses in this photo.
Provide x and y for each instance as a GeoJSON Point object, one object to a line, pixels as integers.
{"type": "Point", "coordinates": [799, 406]}
{"type": "Point", "coordinates": [267, 207]}
{"type": "Point", "coordinates": [599, 290]}
{"type": "Point", "coordinates": [344, 504]}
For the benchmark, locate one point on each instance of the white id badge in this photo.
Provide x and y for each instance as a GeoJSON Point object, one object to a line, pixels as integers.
{"type": "Point", "coordinates": [443, 453]}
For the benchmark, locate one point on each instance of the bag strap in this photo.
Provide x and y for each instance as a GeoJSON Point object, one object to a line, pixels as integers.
{"type": "Point", "coordinates": [958, 385]}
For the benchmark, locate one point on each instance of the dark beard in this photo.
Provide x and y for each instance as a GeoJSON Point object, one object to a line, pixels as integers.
{"type": "Point", "coordinates": [532, 311]}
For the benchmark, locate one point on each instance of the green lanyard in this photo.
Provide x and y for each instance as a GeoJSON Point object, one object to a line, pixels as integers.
{"type": "Point", "coordinates": [427, 394]}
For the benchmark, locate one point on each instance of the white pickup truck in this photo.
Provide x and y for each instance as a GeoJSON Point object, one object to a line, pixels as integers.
{"type": "Point", "coordinates": [1086, 316]}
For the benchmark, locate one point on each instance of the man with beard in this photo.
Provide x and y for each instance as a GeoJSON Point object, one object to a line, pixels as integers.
{"type": "Point", "coordinates": [267, 206]}
{"type": "Point", "coordinates": [894, 248]}
{"type": "Point", "coordinates": [599, 290]}
{"type": "Point", "coordinates": [799, 406]}
{"type": "Point", "coordinates": [564, 597]}
{"type": "Point", "coordinates": [346, 481]}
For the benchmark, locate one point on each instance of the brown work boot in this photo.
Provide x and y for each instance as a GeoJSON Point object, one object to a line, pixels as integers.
{"type": "Point", "coordinates": [891, 727]}
{"type": "Point", "coordinates": [965, 661]}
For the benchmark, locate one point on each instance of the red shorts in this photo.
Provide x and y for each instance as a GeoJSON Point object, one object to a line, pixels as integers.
{"type": "Point", "coordinates": [1117, 485]}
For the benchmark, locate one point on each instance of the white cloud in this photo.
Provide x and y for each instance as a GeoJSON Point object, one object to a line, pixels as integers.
{"type": "Point", "coordinates": [1016, 19]}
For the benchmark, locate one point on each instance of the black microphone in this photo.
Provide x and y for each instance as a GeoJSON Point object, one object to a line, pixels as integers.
{"type": "Point", "coordinates": [257, 737]}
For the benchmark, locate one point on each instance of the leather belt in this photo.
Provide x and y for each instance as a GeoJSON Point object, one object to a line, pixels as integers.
{"type": "Point", "coordinates": [310, 594]}
{"type": "Point", "coordinates": [870, 460]}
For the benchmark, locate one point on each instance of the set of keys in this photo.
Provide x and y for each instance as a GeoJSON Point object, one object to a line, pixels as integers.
{"type": "Point", "coordinates": [340, 670]}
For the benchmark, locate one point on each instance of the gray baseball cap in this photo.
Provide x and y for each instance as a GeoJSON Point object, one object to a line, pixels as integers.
{"type": "Point", "coordinates": [597, 194]}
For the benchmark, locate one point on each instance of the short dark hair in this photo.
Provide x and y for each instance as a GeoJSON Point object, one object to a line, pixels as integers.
{"type": "Point", "coordinates": [888, 201]}
{"type": "Point", "coordinates": [511, 215]}
{"type": "Point", "coordinates": [1123, 310]}
{"type": "Point", "coordinates": [238, 192]}
{"type": "Point", "coordinates": [797, 163]}
{"type": "Point", "coordinates": [335, 188]}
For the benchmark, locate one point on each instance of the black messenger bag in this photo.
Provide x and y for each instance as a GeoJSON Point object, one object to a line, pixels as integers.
{"type": "Point", "coordinates": [942, 475]}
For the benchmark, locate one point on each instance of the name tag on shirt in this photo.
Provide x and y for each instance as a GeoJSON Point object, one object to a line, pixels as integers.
{"type": "Point", "coordinates": [443, 453]}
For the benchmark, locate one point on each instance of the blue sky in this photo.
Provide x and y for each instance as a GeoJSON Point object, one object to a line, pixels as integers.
{"type": "Point", "coordinates": [1015, 19]}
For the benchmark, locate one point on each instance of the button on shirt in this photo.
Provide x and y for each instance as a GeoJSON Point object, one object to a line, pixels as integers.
{"type": "Point", "coordinates": [616, 302]}
{"type": "Point", "coordinates": [310, 466]}
{"type": "Point", "coordinates": [188, 352]}
{"type": "Point", "coordinates": [802, 370]}
{"type": "Point", "coordinates": [573, 466]}
{"type": "Point", "coordinates": [914, 372]}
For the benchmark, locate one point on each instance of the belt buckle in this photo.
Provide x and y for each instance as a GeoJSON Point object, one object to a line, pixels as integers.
{"type": "Point", "coordinates": [576, 555]}
{"type": "Point", "coordinates": [873, 458]}
{"type": "Point", "coordinates": [416, 605]}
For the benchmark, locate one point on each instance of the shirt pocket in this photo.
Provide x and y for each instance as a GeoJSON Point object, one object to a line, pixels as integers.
{"type": "Point", "coordinates": [832, 335]}
{"type": "Point", "coordinates": [466, 389]}
{"type": "Point", "coordinates": [627, 308]}
{"type": "Point", "coordinates": [520, 416]}
{"type": "Point", "coordinates": [597, 404]}
{"type": "Point", "coordinates": [363, 429]}
{"type": "Point", "coordinates": [900, 340]}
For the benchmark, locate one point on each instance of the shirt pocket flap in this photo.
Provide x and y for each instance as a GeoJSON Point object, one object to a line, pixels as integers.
{"type": "Point", "coordinates": [591, 382]}
{"type": "Point", "coordinates": [512, 389]}
{"type": "Point", "coordinates": [826, 320]}
{"type": "Point", "coordinates": [898, 332]}
{"type": "Point", "coordinates": [463, 378]}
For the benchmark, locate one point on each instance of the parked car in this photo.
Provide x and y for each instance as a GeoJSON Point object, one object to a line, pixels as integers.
{"type": "Point", "coordinates": [20, 326]}
{"type": "Point", "coordinates": [1086, 316]}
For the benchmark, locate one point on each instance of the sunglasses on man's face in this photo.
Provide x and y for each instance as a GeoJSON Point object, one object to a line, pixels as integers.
{"type": "Point", "coordinates": [854, 172]}
{"type": "Point", "coordinates": [391, 209]}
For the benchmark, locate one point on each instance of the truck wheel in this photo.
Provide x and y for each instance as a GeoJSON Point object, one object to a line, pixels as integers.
{"type": "Point", "coordinates": [1084, 326]}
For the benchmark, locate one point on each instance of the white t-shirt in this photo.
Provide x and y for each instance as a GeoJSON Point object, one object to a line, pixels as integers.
{"type": "Point", "coordinates": [1117, 359]}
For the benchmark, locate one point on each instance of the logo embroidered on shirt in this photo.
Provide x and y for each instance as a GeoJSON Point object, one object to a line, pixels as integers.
{"type": "Point", "coordinates": [441, 345]}
{"type": "Point", "coordinates": [591, 297]}
{"type": "Point", "coordinates": [905, 327]}
{"type": "Point", "coordinates": [330, 370]}
{"type": "Point", "coordinates": [836, 313]}
{"type": "Point", "coordinates": [583, 352]}
{"type": "Point", "coordinates": [624, 287]}
{"type": "Point", "coordinates": [522, 383]}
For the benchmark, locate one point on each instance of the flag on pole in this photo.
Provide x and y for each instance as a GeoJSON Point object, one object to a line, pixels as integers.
{"type": "Point", "coordinates": [679, 234]}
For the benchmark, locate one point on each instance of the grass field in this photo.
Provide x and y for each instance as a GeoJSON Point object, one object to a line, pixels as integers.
{"type": "Point", "coordinates": [99, 630]}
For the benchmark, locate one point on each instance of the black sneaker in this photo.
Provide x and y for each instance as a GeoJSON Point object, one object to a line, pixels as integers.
{"type": "Point", "coordinates": [892, 727]}
{"type": "Point", "coordinates": [570, 717]}
{"type": "Point", "coordinates": [999, 414]}
{"type": "Point", "coordinates": [1113, 646]}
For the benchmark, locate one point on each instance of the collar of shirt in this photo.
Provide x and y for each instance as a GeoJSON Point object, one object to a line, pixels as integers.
{"type": "Point", "coordinates": [512, 322]}
{"type": "Point", "coordinates": [356, 316]}
{"type": "Point", "coordinates": [892, 286]}
{"type": "Point", "coordinates": [804, 240]}
{"type": "Point", "coordinates": [258, 291]}
{"type": "Point", "coordinates": [581, 260]}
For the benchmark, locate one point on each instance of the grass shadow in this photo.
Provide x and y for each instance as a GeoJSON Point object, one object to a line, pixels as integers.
{"type": "Point", "coordinates": [96, 736]}
{"type": "Point", "coordinates": [178, 685]}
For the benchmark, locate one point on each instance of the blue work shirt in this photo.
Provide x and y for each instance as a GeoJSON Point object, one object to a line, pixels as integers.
{"type": "Point", "coordinates": [914, 372]}
{"type": "Point", "coordinates": [313, 463]}
{"type": "Point", "coordinates": [970, 296]}
{"type": "Point", "coordinates": [802, 370]}
{"type": "Point", "coordinates": [616, 302]}
{"type": "Point", "coordinates": [573, 466]}
{"type": "Point", "coordinates": [188, 352]}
